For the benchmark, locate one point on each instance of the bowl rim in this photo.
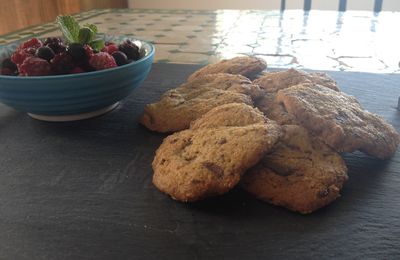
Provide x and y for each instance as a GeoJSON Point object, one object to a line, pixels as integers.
{"type": "Point", "coordinates": [90, 73]}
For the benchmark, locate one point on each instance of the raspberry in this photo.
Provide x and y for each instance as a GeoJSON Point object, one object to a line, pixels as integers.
{"type": "Point", "coordinates": [33, 66]}
{"type": "Point", "coordinates": [88, 50]}
{"type": "Point", "coordinates": [102, 60]}
{"type": "Point", "coordinates": [62, 63]}
{"type": "Point", "coordinates": [31, 51]}
{"type": "Point", "coordinates": [76, 70]}
{"type": "Point", "coordinates": [19, 56]}
{"type": "Point", "coordinates": [110, 48]}
{"type": "Point", "coordinates": [32, 43]}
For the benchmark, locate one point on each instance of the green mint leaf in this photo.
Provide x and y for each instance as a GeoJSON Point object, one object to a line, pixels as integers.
{"type": "Point", "coordinates": [97, 44]}
{"type": "Point", "coordinates": [69, 28]}
{"type": "Point", "coordinates": [92, 27]}
{"type": "Point", "coordinates": [86, 35]}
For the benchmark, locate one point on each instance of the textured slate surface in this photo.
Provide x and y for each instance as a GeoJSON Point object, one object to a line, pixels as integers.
{"type": "Point", "coordinates": [83, 190]}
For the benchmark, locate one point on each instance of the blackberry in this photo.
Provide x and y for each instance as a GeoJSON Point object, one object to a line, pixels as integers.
{"type": "Point", "coordinates": [77, 52]}
{"type": "Point", "coordinates": [120, 58]}
{"type": "Point", "coordinates": [130, 49]}
{"type": "Point", "coordinates": [50, 40]}
{"type": "Point", "coordinates": [45, 53]}
{"type": "Point", "coordinates": [55, 43]}
{"type": "Point", "coordinates": [7, 63]}
{"type": "Point", "coordinates": [7, 71]}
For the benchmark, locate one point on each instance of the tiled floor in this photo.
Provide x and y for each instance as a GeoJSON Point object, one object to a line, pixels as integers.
{"type": "Point", "coordinates": [324, 40]}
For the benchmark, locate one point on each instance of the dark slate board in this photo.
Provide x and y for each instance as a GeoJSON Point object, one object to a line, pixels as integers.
{"type": "Point", "coordinates": [83, 190]}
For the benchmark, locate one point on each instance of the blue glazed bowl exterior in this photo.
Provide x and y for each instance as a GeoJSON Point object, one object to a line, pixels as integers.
{"type": "Point", "coordinates": [74, 93]}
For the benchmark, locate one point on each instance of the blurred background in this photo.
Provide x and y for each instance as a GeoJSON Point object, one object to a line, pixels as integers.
{"type": "Point", "coordinates": [389, 5]}
{"type": "Point", "coordinates": [17, 14]}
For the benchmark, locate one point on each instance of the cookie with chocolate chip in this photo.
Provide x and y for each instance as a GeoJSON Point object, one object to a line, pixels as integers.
{"type": "Point", "coordinates": [339, 120]}
{"type": "Point", "coordinates": [198, 163]}
{"type": "Point", "coordinates": [234, 114]}
{"type": "Point", "coordinates": [226, 81]}
{"type": "Point", "coordinates": [209, 158]}
{"type": "Point", "coordinates": [301, 173]}
{"type": "Point", "coordinates": [247, 66]}
{"type": "Point", "coordinates": [179, 106]}
{"type": "Point", "coordinates": [272, 82]}
{"type": "Point", "coordinates": [274, 109]}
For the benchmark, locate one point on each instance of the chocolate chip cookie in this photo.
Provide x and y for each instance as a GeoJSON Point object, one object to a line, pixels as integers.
{"type": "Point", "coordinates": [247, 66]}
{"type": "Point", "coordinates": [226, 81]}
{"type": "Point", "coordinates": [198, 163]}
{"type": "Point", "coordinates": [301, 173]}
{"type": "Point", "coordinates": [272, 82]}
{"type": "Point", "coordinates": [339, 120]}
{"type": "Point", "coordinates": [179, 106]}
{"type": "Point", "coordinates": [234, 114]}
{"type": "Point", "coordinates": [274, 109]}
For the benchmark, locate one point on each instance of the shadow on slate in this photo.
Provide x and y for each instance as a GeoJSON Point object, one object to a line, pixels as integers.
{"type": "Point", "coordinates": [82, 190]}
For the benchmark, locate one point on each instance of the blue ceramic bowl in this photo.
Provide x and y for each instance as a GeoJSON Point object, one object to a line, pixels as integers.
{"type": "Point", "coordinates": [73, 96]}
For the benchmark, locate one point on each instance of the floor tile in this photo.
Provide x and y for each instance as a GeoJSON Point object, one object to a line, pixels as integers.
{"type": "Point", "coordinates": [351, 40]}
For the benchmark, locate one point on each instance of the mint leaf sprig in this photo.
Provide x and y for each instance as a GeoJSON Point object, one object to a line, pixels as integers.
{"type": "Point", "coordinates": [74, 33]}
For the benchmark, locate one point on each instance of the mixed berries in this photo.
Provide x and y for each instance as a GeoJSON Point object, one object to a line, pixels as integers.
{"type": "Point", "coordinates": [54, 57]}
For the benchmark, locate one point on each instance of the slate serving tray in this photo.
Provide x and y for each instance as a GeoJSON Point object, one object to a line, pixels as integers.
{"type": "Point", "coordinates": [82, 190]}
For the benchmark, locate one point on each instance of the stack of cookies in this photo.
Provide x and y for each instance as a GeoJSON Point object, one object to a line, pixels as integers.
{"type": "Point", "coordinates": [278, 137]}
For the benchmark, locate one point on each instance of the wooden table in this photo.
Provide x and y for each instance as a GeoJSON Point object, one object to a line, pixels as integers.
{"type": "Point", "coordinates": [82, 190]}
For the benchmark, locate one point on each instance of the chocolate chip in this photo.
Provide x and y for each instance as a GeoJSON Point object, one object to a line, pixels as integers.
{"type": "Point", "coordinates": [187, 142]}
{"type": "Point", "coordinates": [214, 168]}
{"type": "Point", "coordinates": [342, 117]}
{"type": "Point", "coordinates": [222, 141]}
{"type": "Point", "coordinates": [196, 181]}
{"type": "Point", "coordinates": [281, 170]}
{"type": "Point", "coordinates": [323, 193]}
{"type": "Point", "coordinates": [173, 141]}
